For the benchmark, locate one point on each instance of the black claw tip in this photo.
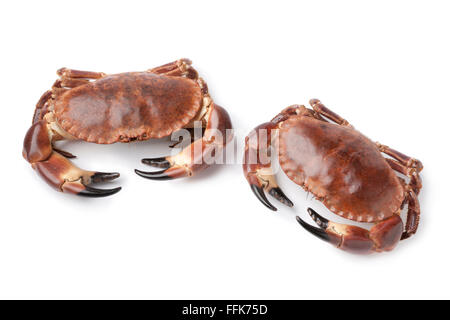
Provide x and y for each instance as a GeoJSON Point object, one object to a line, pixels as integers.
{"type": "Point", "coordinates": [104, 176]}
{"type": "Point", "coordinates": [321, 221]}
{"type": "Point", "coordinates": [97, 193]}
{"type": "Point", "coordinates": [157, 162]}
{"type": "Point", "coordinates": [156, 175]}
{"type": "Point", "coordinates": [278, 194]}
{"type": "Point", "coordinates": [259, 193]}
{"type": "Point", "coordinates": [319, 233]}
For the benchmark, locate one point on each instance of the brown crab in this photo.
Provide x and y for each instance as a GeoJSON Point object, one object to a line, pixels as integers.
{"type": "Point", "coordinates": [343, 169]}
{"type": "Point", "coordinates": [100, 108]}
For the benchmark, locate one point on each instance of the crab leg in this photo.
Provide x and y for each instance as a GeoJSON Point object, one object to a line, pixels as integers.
{"type": "Point", "coordinates": [56, 169]}
{"type": "Point", "coordinates": [327, 113]}
{"type": "Point", "coordinates": [409, 167]}
{"type": "Point", "coordinates": [412, 190]}
{"type": "Point", "coordinates": [257, 166]}
{"type": "Point", "coordinates": [65, 73]}
{"type": "Point", "coordinates": [179, 68]}
{"type": "Point", "coordinates": [415, 181]}
{"type": "Point", "coordinates": [42, 106]}
{"type": "Point", "coordinates": [199, 154]}
{"type": "Point", "coordinates": [405, 160]}
{"type": "Point", "coordinates": [383, 236]}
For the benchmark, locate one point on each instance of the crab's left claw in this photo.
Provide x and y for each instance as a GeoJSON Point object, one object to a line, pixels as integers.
{"type": "Point", "coordinates": [198, 155]}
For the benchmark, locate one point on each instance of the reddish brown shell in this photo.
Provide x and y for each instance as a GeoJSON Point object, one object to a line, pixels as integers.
{"type": "Point", "coordinates": [128, 106]}
{"type": "Point", "coordinates": [341, 167]}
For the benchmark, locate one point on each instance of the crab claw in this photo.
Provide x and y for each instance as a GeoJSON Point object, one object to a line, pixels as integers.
{"type": "Point", "coordinates": [161, 162]}
{"type": "Point", "coordinates": [319, 233]}
{"type": "Point", "coordinates": [57, 170]}
{"type": "Point", "coordinates": [166, 174]}
{"type": "Point", "coordinates": [175, 167]}
{"type": "Point", "coordinates": [200, 154]}
{"type": "Point", "coordinates": [97, 193]}
{"type": "Point", "coordinates": [257, 166]}
{"type": "Point", "coordinates": [383, 236]}
{"type": "Point", "coordinates": [155, 175]}
{"type": "Point", "coordinates": [278, 194]}
{"type": "Point", "coordinates": [259, 193]}
{"type": "Point", "coordinates": [61, 174]}
{"type": "Point", "coordinates": [258, 188]}
{"type": "Point", "coordinates": [100, 177]}
{"type": "Point", "coordinates": [104, 176]}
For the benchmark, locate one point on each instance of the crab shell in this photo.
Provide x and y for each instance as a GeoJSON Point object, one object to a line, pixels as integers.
{"type": "Point", "coordinates": [341, 167]}
{"type": "Point", "coordinates": [129, 106]}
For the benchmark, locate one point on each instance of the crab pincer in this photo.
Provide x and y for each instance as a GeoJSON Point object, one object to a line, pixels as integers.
{"type": "Point", "coordinates": [383, 236]}
{"type": "Point", "coordinates": [257, 165]}
{"type": "Point", "coordinates": [57, 170]}
{"type": "Point", "coordinates": [199, 154]}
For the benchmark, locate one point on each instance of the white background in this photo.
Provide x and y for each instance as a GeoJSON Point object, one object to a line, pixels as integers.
{"type": "Point", "coordinates": [382, 65]}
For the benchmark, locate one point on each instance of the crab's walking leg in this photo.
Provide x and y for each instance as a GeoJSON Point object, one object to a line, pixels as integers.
{"type": "Point", "coordinates": [412, 190]}
{"type": "Point", "coordinates": [70, 78]}
{"type": "Point", "coordinates": [200, 154]}
{"type": "Point", "coordinates": [257, 165]}
{"type": "Point", "coordinates": [66, 73]}
{"type": "Point", "coordinates": [179, 68]}
{"type": "Point", "coordinates": [42, 106]}
{"type": "Point", "coordinates": [327, 113]}
{"type": "Point", "coordinates": [56, 169]}
{"type": "Point", "coordinates": [383, 236]}
{"type": "Point", "coordinates": [404, 164]}
{"type": "Point", "coordinates": [409, 167]}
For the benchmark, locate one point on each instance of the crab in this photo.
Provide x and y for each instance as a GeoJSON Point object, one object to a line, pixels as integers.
{"type": "Point", "coordinates": [101, 108]}
{"type": "Point", "coordinates": [344, 170]}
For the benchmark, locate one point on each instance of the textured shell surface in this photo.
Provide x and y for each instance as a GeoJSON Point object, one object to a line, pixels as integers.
{"type": "Point", "coordinates": [128, 106]}
{"type": "Point", "coordinates": [341, 167]}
